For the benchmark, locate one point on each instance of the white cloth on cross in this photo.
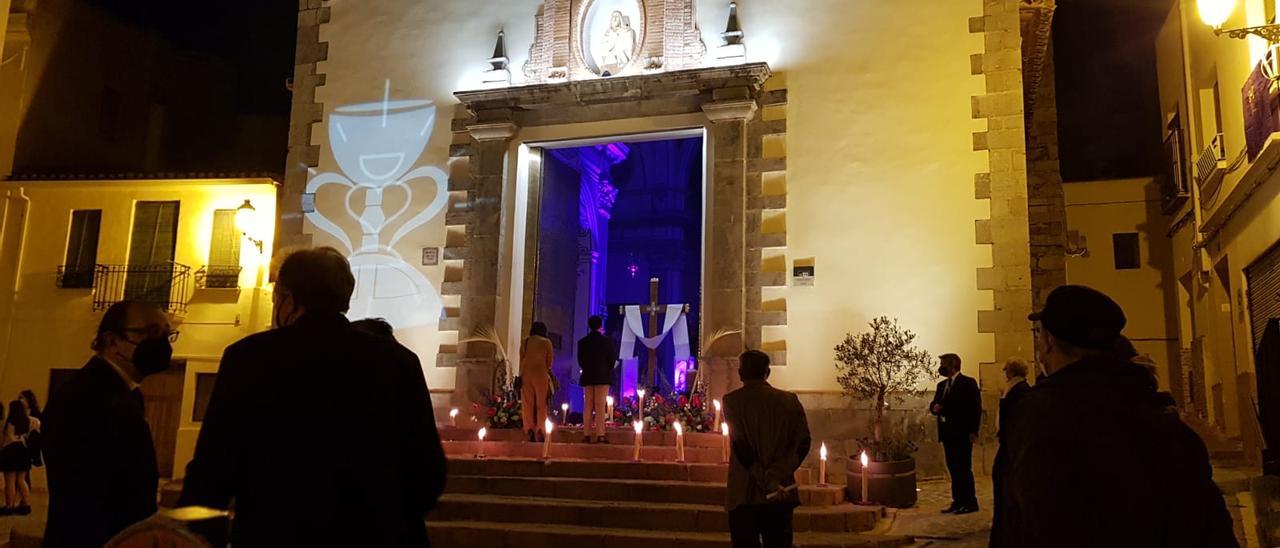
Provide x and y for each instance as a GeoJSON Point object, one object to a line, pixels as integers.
{"type": "Point", "coordinates": [674, 324]}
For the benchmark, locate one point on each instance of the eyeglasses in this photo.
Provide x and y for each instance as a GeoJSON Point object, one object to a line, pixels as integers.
{"type": "Point", "coordinates": [153, 333]}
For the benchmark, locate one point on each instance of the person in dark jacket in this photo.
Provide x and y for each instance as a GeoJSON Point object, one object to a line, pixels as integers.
{"type": "Point", "coordinates": [282, 436]}
{"type": "Point", "coordinates": [1016, 387]}
{"type": "Point", "coordinates": [1093, 456]}
{"type": "Point", "coordinates": [769, 438]}
{"type": "Point", "coordinates": [596, 357]}
{"type": "Point", "coordinates": [96, 441]}
{"type": "Point", "coordinates": [957, 403]}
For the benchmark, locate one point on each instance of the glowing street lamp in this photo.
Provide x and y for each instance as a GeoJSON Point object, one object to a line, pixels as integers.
{"type": "Point", "coordinates": [1215, 13]}
{"type": "Point", "coordinates": [246, 221]}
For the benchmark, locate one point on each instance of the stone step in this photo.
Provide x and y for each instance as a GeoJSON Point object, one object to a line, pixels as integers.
{"type": "Point", "coordinates": [596, 469]}
{"type": "Point", "coordinates": [616, 434]}
{"type": "Point", "coordinates": [683, 492]}
{"type": "Point", "coordinates": [842, 518]}
{"type": "Point", "coordinates": [465, 534]}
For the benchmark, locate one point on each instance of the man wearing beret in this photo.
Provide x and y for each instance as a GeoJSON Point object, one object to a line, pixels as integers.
{"type": "Point", "coordinates": [1094, 457]}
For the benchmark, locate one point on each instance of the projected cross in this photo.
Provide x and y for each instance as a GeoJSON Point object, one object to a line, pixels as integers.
{"type": "Point", "coordinates": [652, 309]}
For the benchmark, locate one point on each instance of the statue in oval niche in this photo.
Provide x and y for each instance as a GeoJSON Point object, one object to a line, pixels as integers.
{"type": "Point", "coordinates": [619, 43]}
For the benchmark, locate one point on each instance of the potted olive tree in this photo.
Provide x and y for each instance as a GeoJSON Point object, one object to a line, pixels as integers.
{"type": "Point", "coordinates": [880, 366]}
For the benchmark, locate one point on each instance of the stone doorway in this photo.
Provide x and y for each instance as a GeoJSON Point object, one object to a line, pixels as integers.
{"type": "Point", "coordinates": [745, 202]}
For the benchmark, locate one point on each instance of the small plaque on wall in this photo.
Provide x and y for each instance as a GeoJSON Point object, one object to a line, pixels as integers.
{"type": "Point", "coordinates": [309, 202]}
{"type": "Point", "coordinates": [802, 276]}
{"type": "Point", "coordinates": [430, 256]}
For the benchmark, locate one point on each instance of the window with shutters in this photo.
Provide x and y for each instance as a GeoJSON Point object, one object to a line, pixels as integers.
{"type": "Point", "coordinates": [151, 252]}
{"type": "Point", "coordinates": [82, 249]}
{"type": "Point", "coordinates": [223, 270]}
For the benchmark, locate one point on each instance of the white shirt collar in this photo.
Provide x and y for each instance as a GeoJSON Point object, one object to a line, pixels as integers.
{"type": "Point", "coordinates": [129, 382]}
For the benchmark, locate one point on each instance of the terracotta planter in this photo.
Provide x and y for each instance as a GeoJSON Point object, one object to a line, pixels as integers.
{"type": "Point", "coordinates": [888, 483]}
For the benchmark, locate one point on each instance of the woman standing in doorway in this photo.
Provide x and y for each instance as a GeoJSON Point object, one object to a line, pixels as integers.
{"type": "Point", "coordinates": [15, 459]}
{"type": "Point", "coordinates": [536, 356]}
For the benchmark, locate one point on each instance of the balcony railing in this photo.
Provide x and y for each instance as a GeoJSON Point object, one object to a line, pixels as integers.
{"type": "Point", "coordinates": [1174, 190]}
{"type": "Point", "coordinates": [218, 277]}
{"type": "Point", "coordinates": [1209, 168]}
{"type": "Point", "coordinates": [165, 284]}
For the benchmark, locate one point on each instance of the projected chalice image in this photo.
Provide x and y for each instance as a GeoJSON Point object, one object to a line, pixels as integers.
{"type": "Point", "coordinates": [376, 146]}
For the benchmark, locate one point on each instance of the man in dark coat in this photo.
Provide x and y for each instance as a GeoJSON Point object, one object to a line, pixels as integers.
{"type": "Point", "coordinates": [1094, 457]}
{"type": "Point", "coordinates": [323, 435]}
{"type": "Point", "coordinates": [957, 403]}
{"type": "Point", "coordinates": [596, 357]}
{"type": "Point", "coordinates": [1016, 387]}
{"type": "Point", "coordinates": [769, 436]}
{"type": "Point", "coordinates": [97, 444]}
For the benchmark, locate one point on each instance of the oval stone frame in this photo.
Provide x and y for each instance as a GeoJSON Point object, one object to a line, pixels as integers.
{"type": "Point", "coordinates": [583, 42]}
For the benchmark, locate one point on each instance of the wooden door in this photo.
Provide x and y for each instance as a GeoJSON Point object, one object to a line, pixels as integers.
{"type": "Point", "coordinates": [163, 394]}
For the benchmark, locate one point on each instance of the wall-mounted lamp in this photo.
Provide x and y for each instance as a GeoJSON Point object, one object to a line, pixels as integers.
{"type": "Point", "coordinates": [1216, 12]}
{"type": "Point", "coordinates": [246, 218]}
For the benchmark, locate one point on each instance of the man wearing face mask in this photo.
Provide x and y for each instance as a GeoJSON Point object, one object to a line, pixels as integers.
{"type": "Point", "coordinates": [1093, 457]}
{"type": "Point", "coordinates": [958, 405]}
{"type": "Point", "coordinates": [322, 434]}
{"type": "Point", "coordinates": [97, 445]}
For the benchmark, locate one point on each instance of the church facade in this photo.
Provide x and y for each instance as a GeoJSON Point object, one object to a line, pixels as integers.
{"type": "Point", "coordinates": [856, 160]}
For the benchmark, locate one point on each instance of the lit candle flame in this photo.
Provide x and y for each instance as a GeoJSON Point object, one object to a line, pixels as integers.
{"type": "Point", "coordinates": [547, 425]}
{"type": "Point", "coordinates": [863, 459]}
{"type": "Point", "coordinates": [724, 428]}
{"type": "Point", "coordinates": [716, 403]}
{"type": "Point", "coordinates": [638, 426]}
{"type": "Point", "coordinates": [679, 429]}
{"type": "Point", "coordinates": [608, 400]}
{"type": "Point", "coordinates": [640, 392]}
{"type": "Point", "coordinates": [453, 413]}
{"type": "Point", "coordinates": [481, 433]}
{"type": "Point", "coordinates": [564, 408]}
{"type": "Point", "coordinates": [822, 451]}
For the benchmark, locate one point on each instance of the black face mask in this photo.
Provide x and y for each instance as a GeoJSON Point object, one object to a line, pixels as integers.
{"type": "Point", "coordinates": [152, 356]}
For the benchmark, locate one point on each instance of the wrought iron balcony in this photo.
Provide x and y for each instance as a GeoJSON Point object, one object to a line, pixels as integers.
{"type": "Point", "coordinates": [218, 277]}
{"type": "Point", "coordinates": [165, 284]}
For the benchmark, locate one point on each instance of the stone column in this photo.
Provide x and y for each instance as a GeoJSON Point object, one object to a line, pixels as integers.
{"type": "Point", "coordinates": [724, 304]}
{"type": "Point", "coordinates": [484, 228]}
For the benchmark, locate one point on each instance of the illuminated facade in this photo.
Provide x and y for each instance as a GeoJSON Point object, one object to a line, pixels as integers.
{"type": "Point", "coordinates": [889, 158]}
{"type": "Point", "coordinates": [1220, 190]}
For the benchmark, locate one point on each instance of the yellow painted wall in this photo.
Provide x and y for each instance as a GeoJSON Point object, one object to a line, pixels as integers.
{"type": "Point", "coordinates": [879, 147]}
{"type": "Point", "coordinates": [43, 327]}
{"type": "Point", "coordinates": [1097, 210]}
{"type": "Point", "coordinates": [1190, 58]}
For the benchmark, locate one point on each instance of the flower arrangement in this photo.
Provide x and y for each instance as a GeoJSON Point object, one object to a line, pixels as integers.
{"type": "Point", "coordinates": [502, 410]}
{"type": "Point", "coordinates": [662, 412]}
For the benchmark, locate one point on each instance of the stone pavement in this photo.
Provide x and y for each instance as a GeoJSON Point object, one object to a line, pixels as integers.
{"type": "Point", "coordinates": [932, 528]}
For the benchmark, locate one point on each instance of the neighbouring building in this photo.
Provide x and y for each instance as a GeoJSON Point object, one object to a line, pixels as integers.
{"type": "Point", "coordinates": [486, 166]}
{"type": "Point", "coordinates": [71, 248]}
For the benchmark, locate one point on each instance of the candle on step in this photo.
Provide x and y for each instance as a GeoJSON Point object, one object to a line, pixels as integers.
{"type": "Point", "coordinates": [640, 401]}
{"type": "Point", "coordinates": [822, 465]}
{"type": "Point", "coordinates": [639, 426]}
{"type": "Point", "coordinates": [546, 442]}
{"type": "Point", "coordinates": [716, 403]}
{"type": "Point", "coordinates": [608, 414]}
{"type": "Point", "coordinates": [863, 459]}
{"type": "Point", "coordinates": [724, 445]}
{"type": "Point", "coordinates": [679, 442]}
{"type": "Point", "coordinates": [481, 433]}
{"type": "Point", "coordinates": [453, 417]}
{"type": "Point", "coordinates": [564, 414]}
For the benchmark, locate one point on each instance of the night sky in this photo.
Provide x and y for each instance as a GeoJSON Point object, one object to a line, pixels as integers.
{"type": "Point", "coordinates": [1109, 121]}
{"type": "Point", "coordinates": [1109, 118]}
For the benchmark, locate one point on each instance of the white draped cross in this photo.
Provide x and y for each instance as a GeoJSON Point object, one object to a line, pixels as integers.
{"type": "Point", "coordinates": [674, 323]}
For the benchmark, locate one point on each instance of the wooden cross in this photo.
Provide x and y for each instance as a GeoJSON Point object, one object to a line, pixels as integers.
{"type": "Point", "coordinates": [652, 309]}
